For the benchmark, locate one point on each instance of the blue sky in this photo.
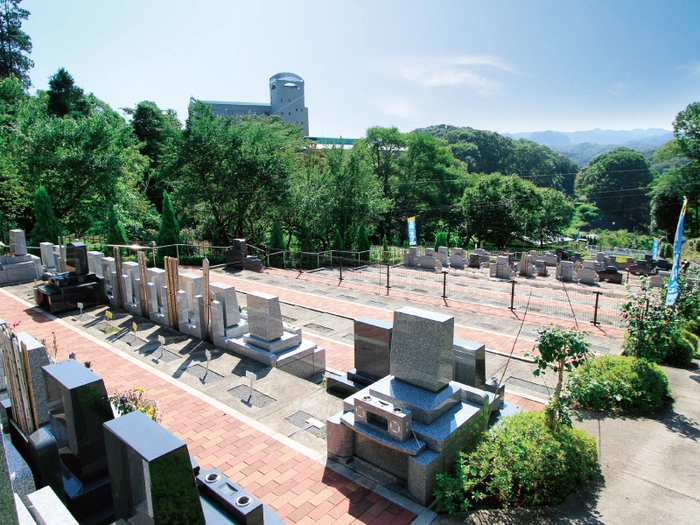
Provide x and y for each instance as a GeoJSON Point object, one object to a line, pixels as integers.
{"type": "Point", "coordinates": [506, 66]}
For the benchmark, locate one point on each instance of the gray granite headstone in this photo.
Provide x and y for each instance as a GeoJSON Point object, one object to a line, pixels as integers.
{"type": "Point", "coordinates": [18, 244]}
{"type": "Point", "coordinates": [470, 363]}
{"type": "Point", "coordinates": [94, 262]}
{"type": "Point", "coordinates": [37, 357]}
{"type": "Point", "coordinates": [265, 316]}
{"type": "Point", "coordinates": [7, 501]}
{"type": "Point", "coordinates": [422, 348]}
{"type": "Point", "coordinates": [47, 256]}
{"type": "Point", "coordinates": [226, 295]}
{"type": "Point", "coordinates": [46, 508]}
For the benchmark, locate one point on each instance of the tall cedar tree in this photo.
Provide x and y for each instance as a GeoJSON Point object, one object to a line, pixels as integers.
{"type": "Point", "coordinates": [116, 234]}
{"type": "Point", "coordinates": [338, 241]}
{"type": "Point", "coordinates": [276, 237]}
{"type": "Point", "coordinates": [362, 241]}
{"type": "Point", "coordinates": [15, 44]}
{"type": "Point", "coordinates": [65, 98]}
{"type": "Point", "coordinates": [169, 232]}
{"type": "Point", "coordinates": [276, 245]}
{"type": "Point", "coordinates": [46, 228]}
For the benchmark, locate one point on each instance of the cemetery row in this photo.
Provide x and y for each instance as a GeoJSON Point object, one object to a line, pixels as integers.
{"type": "Point", "coordinates": [416, 398]}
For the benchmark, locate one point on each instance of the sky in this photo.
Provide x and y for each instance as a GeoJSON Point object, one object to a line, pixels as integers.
{"type": "Point", "coordinates": [506, 66]}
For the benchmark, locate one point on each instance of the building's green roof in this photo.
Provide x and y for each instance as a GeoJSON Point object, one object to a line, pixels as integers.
{"type": "Point", "coordinates": [221, 103]}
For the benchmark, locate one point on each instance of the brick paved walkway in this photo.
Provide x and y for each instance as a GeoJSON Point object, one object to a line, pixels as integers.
{"type": "Point", "coordinates": [295, 486]}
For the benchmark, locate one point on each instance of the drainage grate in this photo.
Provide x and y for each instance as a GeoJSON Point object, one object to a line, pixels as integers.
{"type": "Point", "coordinates": [320, 292]}
{"type": "Point", "coordinates": [299, 419]}
{"type": "Point", "coordinates": [106, 328]}
{"type": "Point", "coordinates": [287, 319]}
{"type": "Point", "coordinates": [200, 372]}
{"type": "Point", "coordinates": [318, 328]}
{"type": "Point", "coordinates": [297, 287]}
{"type": "Point", "coordinates": [351, 337]}
{"type": "Point", "coordinates": [133, 341]}
{"type": "Point", "coordinates": [348, 297]}
{"type": "Point", "coordinates": [158, 353]}
{"type": "Point", "coordinates": [528, 385]}
{"type": "Point", "coordinates": [376, 302]}
{"type": "Point", "coordinates": [257, 399]}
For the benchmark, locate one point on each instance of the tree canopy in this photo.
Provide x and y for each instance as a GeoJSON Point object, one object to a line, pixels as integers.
{"type": "Point", "coordinates": [618, 183]}
{"type": "Point", "coordinates": [15, 44]}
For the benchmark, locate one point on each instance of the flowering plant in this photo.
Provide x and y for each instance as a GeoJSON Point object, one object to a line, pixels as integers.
{"type": "Point", "coordinates": [134, 399]}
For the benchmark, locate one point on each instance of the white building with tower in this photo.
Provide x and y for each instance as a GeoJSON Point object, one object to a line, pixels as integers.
{"type": "Point", "coordinates": [286, 101]}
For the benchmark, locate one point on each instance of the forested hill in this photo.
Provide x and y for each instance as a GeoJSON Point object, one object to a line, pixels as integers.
{"type": "Point", "coordinates": [489, 152]}
{"type": "Point", "coordinates": [582, 146]}
{"type": "Point", "coordinates": [578, 146]}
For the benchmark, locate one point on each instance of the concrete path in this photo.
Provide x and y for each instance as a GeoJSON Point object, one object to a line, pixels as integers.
{"type": "Point", "coordinates": [650, 469]}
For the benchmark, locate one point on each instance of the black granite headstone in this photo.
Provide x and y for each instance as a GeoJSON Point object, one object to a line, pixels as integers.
{"type": "Point", "coordinates": [78, 406]}
{"type": "Point", "coordinates": [372, 349]}
{"type": "Point", "coordinates": [151, 473]}
{"type": "Point", "coordinates": [76, 258]}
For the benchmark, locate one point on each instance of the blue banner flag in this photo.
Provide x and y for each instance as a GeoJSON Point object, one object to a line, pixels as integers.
{"type": "Point", "coordinates": [673, 287]}
{"type": "Point", "coordinates": [655, 249]}
{"type": "Point", "coordinates": [412, 231]}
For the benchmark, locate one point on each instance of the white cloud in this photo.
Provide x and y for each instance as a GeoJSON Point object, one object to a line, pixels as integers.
{"type": "Point", "coordinates": [618, 88]}
{"type": "Point", "coordinates": [397, 106]}
{"type": "Point", "coordinates": [693, 68]}
{"type": "Point", "coordinates": [466, 70]}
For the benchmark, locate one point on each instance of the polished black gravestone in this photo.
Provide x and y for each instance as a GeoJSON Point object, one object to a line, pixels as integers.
{"type": "Point", "coordinates": [153, 480]}
{"type": "Point", "coordinates": [78, 407]}
{"type": "Point", "coordinates": [372, 345]}
{"type": "Point", "coordinates": [63, 292]}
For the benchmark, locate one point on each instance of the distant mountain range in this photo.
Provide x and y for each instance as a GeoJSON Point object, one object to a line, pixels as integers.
{"type": "Point", "coordinates": [582, 146]}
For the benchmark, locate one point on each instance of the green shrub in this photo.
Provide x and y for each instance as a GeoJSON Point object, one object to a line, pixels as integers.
{"type": "Point", "coordinates": [609, 383]}
{"type": "Point", "coordinates": [522, 465]}
{"type": "Point", "coordinates": [692, 338]}
{"type": "Point", "coordinates": [693, 326]}
{"type": "Point", "coordinates": [679, 351]}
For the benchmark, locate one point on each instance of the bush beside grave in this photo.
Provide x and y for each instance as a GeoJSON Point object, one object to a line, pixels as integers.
{"type": "Point", "coordinates": [522, 464]}
{"type": "Point", "coordinates": [610, 383]}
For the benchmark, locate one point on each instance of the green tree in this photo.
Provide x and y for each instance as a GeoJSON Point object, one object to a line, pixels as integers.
{"type": "Point", "coordinates": [65, 98]}
{"type": "Point", "coordinates": [86, 164]}
{"type": "Point", "coordinates": [362, 241]}
{"type": "Point", "coordinates": [384, 146]}
{"type": "Point", "coordinates": [429, 184]}
{"type": "Point", "coordinates": [338, 241]}
{"type": "Point", "coordinates": [276, 244]}
{"type": "Point", "coordinates": [554, 215]}
{"type": "Point", "coordinates": [355, 195]}
{"type": "Point", "coordinates": [498, 209]}
{"type": "Point", "coordinates": [116, 234]}
{"type": "Point", "coordinates": [169, 232]}
{"type": "Point", "coordinates": [234, 174]}
{"type": "Point", "coordinates": [46, 227]}
{"type": "Point", "coordinates": [559, 350]}
{"type": "Point", "coordinates": [618, 184]}
{"type": "Point", "coordinates": [159, 134]}
{"type": "Point", "coordinates": [15, 44]}
{"type": "Point", "coordinates": [440, 240]}
{"type": "Point", "coordinates": [686, 129]}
